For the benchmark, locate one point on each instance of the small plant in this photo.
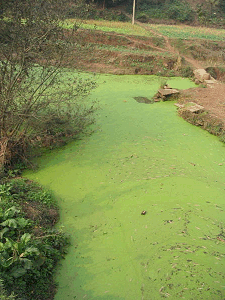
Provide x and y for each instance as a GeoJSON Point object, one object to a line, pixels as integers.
{"type": "Point", "coordinates": [3, 295]}
{"type": "Point", "coordinates": [222, 137]}
{"type": "Point", "coordinates": [187, 72]}
{"type": "Point", "coordinates": [29, 249]}
{"type": "Point", "coordinates": [162, 82]}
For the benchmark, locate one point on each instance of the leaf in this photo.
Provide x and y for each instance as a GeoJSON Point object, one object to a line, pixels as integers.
{"type": "Point", "coordinates": [5, 263]}
{"type": "Point", "coordinates": [27, 263]}
{"type": "Point", "coordinates": [39, 261]}
{"type": "Point", "coordinates": [18, 272]}
{"type": "Point", "coordinates": [10, 223]}
{"type": "Point", "coordinates": [25, 238]}
{"type": "Point", "coordinates": [31, 250]}
{"type": "Point", "coordinates": [11, 212]}
{"type": "Point", "coordinates": [3, 231]}
{"type": "Point", "coordinates": [22, 222]}
{"type": "Point", "coordinates": [1, 246]}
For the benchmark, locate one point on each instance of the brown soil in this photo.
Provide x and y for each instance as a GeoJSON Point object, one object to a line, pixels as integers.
{"type": "Point", "coordinates": [211, 98]}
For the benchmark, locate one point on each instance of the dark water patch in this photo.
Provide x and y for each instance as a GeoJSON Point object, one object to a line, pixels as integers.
{"type": "Point", "coordinates": [144, 100]}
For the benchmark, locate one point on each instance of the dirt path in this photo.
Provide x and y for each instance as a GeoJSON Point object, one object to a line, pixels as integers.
{"type": "Point", "coordinates": [169, 47]}
{"type": "Point", "coordinates": [212, 98]}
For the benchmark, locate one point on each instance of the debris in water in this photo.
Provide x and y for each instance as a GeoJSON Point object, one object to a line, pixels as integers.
{"type": "Point", "coordinates": [144, 100]}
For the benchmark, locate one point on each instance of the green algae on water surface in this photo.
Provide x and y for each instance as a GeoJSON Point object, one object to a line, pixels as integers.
{"type": "Point", "coordinates": [141, 157]}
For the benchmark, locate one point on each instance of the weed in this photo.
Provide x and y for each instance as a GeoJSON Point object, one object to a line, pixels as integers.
{"type": "Point", "coordinates": [162, 83]}
{"type": "Point", "coordinates": [29, 249]}
{"type": "Point", "coordinates": [222, 138]}
{"type": "Point", "coordinates": [187, 72]}
{"type": "Point", "coordinates": [3, 294]}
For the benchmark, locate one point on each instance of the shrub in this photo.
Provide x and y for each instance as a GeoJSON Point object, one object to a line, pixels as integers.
{"type": "Point", "coordinates": [180, 10]}
{"type": "Point", "coordinates": [3, 295]}
{"type": "Point", "coordinates": [29, 248]}
{"type": "Point", "coordinates": [187, 72]}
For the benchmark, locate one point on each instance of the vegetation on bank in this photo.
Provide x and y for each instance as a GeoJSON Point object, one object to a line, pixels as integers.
{"type": "Point", "coordinates": [30, 246]}
{"type": "Point", "coordinates": [40, 104]}
{"type": "Point", "coordinates": [205, 121]}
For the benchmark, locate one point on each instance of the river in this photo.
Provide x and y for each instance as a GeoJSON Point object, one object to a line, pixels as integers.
{"type": "Point", "coordinates": [141, 157]}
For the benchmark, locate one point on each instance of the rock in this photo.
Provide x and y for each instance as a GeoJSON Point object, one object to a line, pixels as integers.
{"type": "Point", "coordinates": [167, 86]}
{"type": "Point", "coordinates": [209, 81]}
{"type": "Point", "coordinates": [195, 108]}
{"type": "Point", "coordinates": [179, 105]}
{"type": "Point", "coordinates": [197, 81]}
{"type": "Point", "coordinates": [203, 77]}
{"type": "Point", "coordinates": [163, 93]}
{"type": "Point", "coordinates": [206, 76]}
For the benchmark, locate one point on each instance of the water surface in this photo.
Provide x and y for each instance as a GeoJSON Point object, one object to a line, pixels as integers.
{"type": "Point", "coordinates": [141, 157]}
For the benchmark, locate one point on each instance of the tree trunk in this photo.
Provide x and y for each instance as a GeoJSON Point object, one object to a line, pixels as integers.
{"type": "Point", "coordinates": [3, 151]}
{"type": "Point", "coordinates": [133, 12]}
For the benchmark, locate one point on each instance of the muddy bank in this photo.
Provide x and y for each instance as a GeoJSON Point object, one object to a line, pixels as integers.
{"type": "Point", "coordinates": [211, 98]}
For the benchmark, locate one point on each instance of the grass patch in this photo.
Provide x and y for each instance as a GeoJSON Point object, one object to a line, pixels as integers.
{"type": "Point", "coordinates": [189, 32]}
{"type": "Point", "coordinates": [108, 26]}
{"type": "Point", "coordinates": [127, 50]}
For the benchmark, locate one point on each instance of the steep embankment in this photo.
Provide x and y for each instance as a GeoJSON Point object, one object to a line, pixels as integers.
{"type": "Point", "coordinates": [120, 48]}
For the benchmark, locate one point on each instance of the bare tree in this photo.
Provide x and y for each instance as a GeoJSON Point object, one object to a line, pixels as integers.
{"type": "Point", "coordinates": [34, 103]}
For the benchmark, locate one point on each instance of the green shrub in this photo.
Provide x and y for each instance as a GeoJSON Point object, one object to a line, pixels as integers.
{"type": "Point", "coordinates": [3, 295]}
{"type": "Point", "coordinates": [180, 10]}
{"type": "Point", "coordinates": [187, 72]}
{"type": "Point", "coordinates": [29, 249]}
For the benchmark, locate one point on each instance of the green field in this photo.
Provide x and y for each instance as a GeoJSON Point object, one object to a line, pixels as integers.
{"type": "Point", "coordinates": [171, 31]}
{"type": "Point", "coordinates": [110, 26]}
{"type": "Point", "coordinates": [189, 32]}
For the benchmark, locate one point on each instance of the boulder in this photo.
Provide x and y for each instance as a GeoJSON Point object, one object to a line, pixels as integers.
{"type": "Point", "coordinates": [201, 76]}
{"type": "Point", "coordinates": [194, 108]}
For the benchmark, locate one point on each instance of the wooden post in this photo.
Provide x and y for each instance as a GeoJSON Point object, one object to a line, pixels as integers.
{"type": "Point", "coordinates": [133, 12]}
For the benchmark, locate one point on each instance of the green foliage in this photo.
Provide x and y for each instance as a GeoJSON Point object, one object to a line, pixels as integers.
{"type": "Point", "coordinates": [3, 294]}
{"type": "Point", "coordinates": [179, 10]}
{"type": "Point", "coordinates": [222, 137]}
{"type": "Point", "coordinates": [26, 257]}
{"type": "Point", "coordinates": [38, 107]}
{"type": "Point", "coordinates": [23, 190]}
{"type": "Point", "coordinates": [162, 82]}
{"type": "Point", "coordinates": [187, 72]}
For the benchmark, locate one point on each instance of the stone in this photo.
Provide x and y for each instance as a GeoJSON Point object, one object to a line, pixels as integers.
{"type": "Point", "coordinates": [209, 81]}
{"type": "Point", "coordinates": [167, 92]}
{"type": "Point", "coordinates": [179, 105]}
{"type": "Point", "coordinates": [196, 108]}
{"type": "Point", "coordinates": [202, 76]}
{"type": "Point", "coordinates": [206, 76]}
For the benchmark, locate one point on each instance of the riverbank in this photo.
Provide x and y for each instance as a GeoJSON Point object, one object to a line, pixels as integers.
{"type": "Point", "coordinates": [211, 98]}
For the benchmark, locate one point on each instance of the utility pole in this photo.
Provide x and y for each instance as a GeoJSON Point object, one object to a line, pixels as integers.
{"type": "Point", "coordinates": [133, 12]}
